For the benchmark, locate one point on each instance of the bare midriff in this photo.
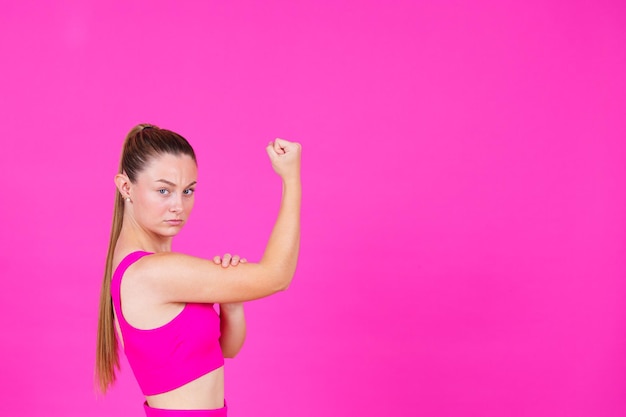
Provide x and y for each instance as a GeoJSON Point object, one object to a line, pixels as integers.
{"type": "Point", "coordinates": [204, 393]}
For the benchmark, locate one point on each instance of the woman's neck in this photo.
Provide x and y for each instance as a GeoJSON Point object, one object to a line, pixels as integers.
{"type": "Point", "coordinates": [132, 236]}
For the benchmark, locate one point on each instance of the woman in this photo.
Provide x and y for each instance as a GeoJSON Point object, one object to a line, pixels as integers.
{"type": "Point", "coordinates": [159, 304]}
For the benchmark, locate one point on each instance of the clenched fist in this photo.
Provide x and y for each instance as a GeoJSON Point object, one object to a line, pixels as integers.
{"type": "Point", "coordinates": [285, 158]}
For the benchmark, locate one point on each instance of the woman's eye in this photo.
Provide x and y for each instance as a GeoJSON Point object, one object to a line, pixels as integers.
{"type": "Point", "coordinates": [163, 191]}
{"type": "Point", "coordinates": [189, 191]}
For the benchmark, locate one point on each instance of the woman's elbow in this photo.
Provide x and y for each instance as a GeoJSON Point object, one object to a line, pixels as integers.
{"type": "Point", "coordinates": [276, 278]}
{"type": "Point", "coordinates": [231, 350]}
{"type": "Point", "coordinates": [230, 355]}
{"type": "Point", "coordinates": [283, 283]}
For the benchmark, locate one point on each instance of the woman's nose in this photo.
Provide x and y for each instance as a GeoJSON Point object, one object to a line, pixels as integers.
{"type": "Point", "coordinates": [177, 204]}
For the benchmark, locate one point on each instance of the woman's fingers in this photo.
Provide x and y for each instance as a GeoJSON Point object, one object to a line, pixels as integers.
{"type": "Point", "coordinates": [280, 147]}
{"type": "Point", "coordinates": [226, 260]}
{"type": "Point", "coordinates": [285, 157]}
{"type": "Point", "coordinates": [229, 260]}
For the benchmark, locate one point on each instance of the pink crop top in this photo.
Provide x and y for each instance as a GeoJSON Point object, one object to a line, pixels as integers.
{"type": "Point", "coordinates": [174, 354]}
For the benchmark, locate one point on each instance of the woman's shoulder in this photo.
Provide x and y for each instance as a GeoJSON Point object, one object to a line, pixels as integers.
{"type": "Point", "coordinates": [153, 263]}
{"type": "Point", "coordinates": [125, 274]}
{"type": "Point", "coordinates": [124, 259]}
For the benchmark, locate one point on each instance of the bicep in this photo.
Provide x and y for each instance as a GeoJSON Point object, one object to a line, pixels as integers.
{"type": "Point", "coordinates": [176, 277]}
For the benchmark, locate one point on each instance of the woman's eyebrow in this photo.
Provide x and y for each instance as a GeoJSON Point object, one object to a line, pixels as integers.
{"type": "Point", "coordinates": [174, 185]}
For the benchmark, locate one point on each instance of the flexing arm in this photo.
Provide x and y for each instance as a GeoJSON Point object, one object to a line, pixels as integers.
{"type": "Point", "coordinates": [281, 252]}
{"type": "Point", "coordinates": [175, 277]}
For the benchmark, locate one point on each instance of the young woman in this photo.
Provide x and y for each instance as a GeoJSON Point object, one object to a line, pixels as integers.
{"type": "Point", "coordinates": [158, 304]}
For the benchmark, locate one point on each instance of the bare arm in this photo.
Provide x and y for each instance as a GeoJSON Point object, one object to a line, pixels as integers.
{"type": "Point", "coordinates": [232, 318]}
{"type": "Point", "coordinates": [232, 328]}
{"type": "Point", "coordinates": [175, 277]}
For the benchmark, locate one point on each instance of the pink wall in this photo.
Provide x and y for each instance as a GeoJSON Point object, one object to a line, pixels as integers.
{"type": "Point", "coordinates": [464, 218]}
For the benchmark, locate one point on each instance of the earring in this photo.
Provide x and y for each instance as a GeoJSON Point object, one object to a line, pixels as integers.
{"type": "Point", "coordinates": [128, 199]}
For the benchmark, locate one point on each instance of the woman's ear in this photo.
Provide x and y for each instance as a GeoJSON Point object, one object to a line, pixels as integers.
{"type": "Point", "coordinates": [123, 185]}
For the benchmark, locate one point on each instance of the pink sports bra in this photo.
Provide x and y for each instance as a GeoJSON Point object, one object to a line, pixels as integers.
{"type": "Point", "coordinates": [174, 354]}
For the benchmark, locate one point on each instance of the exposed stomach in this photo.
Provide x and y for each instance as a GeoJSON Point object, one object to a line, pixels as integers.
{"type": "Point", "coordinates": [204, 393]}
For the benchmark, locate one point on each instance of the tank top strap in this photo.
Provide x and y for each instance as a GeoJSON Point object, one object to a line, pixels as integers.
{"type": "Point", "coordinates": [116, 281]}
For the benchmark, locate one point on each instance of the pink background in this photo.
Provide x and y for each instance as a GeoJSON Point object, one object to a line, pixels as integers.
{"type": "Point", "coordinates": [464, 216]}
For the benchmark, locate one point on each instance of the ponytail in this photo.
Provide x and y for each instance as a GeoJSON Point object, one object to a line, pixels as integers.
{"type": "Point", "coordinates": [142, 143]}
{"type": "Point", "coordinates": [107, 357]}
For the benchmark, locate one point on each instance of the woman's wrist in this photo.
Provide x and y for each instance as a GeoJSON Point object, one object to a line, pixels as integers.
{"type": "Point", "coordinates": [292, 183]}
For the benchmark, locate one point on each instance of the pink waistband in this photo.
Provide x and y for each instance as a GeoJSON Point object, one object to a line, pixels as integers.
{"type": "Point", "coordinates": [160, 412]}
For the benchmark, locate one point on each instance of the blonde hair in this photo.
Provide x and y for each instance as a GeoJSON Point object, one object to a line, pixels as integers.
{"type": "Point", "coordinates": [143, 143]}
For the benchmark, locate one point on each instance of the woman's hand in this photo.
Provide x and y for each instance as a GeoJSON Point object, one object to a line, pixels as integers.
{"type": "Point", "coordinates": [285, 158]}
{"type": "Point", "coordinates": [228, 260]}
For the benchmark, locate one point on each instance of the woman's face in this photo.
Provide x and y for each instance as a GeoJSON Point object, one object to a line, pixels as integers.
{"type": "Point", "coordinates": [163, 195]}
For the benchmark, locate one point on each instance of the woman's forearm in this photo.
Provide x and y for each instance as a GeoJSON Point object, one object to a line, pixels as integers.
{"type": "Point", "coordinates": [281, 252]}
{"type": "Point", "coordinates": [232, 328]}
